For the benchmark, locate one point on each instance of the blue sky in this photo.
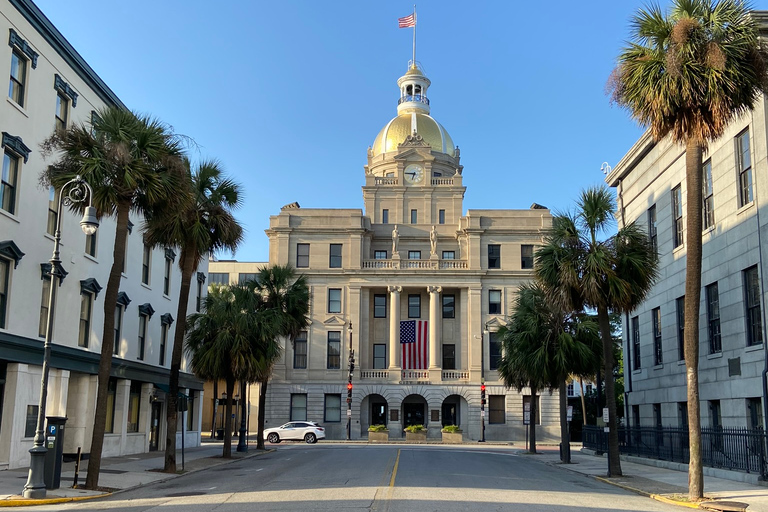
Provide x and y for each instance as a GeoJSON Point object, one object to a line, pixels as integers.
{"type": "Point", "coordinates": [289, 94]}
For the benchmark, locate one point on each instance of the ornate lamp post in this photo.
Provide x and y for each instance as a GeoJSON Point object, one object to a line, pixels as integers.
{"type": "Point", "coordinates": [242, 441]}
{"type": "Point", "coordinates": [349, 382]}
{"type": "Point", "coordinates": [73, 192]}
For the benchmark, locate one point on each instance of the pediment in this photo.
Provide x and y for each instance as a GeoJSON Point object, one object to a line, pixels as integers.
{"type": "Point", "coordinates": [334, 321]}
{"type": "Point", "coordinates": [414, 154]}
{"type": "Point", "coordinates": [494, 324]}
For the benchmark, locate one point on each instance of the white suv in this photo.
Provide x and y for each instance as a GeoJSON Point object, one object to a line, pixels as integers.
{"type": "Point", "coordinates": [308, 431]}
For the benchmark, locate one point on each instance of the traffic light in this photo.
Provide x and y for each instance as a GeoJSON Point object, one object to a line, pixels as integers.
{"type": "Point", "coordinates": [349, 387]}
{"type": "Point", "coordinates": [482, 394]}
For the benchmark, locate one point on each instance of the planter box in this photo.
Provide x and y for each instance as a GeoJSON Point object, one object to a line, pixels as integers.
{"type": "Point", "coordinates": [453, 437]}
{"type": "Point", "coordinates": [416, 437]}
{"type": "Point", "coordinates": [378, 437]}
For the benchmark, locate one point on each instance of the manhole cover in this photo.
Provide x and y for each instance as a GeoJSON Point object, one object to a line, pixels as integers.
{"type": "Point", "coordinates": [183, 494]}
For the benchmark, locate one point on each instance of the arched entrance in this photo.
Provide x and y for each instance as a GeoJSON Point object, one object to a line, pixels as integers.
{"type": "Point", "coordinates": [414, 410]}
{"type": "Point", "coordinates": [451, 410]}
{"type": "Point", "coordinates": [373, 411]}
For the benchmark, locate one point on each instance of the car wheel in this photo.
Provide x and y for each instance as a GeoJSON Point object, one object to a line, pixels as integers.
{"type": "Point", "coordinates": [310, 438]}
{"type": "Point", "coordinates": [273, 438]}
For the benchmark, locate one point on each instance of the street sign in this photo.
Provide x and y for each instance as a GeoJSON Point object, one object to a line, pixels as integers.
{"type": "Point", "coordinates": [349, 413]}
{"type": "Point", "coordinates": [482, 413]}
{"type": "Point", "coordinates": [526, 417]}
{"type": "Point", "coordinates": [570, 413]}
{"type": "Point", "coordinates": [606, 415]}
{"type": "Point", "coordinates": [606, 429]}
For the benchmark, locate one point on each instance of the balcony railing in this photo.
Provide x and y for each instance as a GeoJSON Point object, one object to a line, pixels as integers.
{"type": "Point", "coordinates": [388, 180]}
{"type": "Point", "coordinates": [455, 375]}
{"type": "Point", "coordinates": [416, 264]}
{"type": "Point", "coordinates": [374, 374]}
{"type": "Point", "coordinates": [442, 181]}
{"type": "Point", "coordinates": [415, 375]}
{"type": "Point", "coordinates": [419, 98]}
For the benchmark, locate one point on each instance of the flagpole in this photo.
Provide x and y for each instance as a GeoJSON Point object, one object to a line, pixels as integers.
{"type": "Point", "coordinates": [414, 35]}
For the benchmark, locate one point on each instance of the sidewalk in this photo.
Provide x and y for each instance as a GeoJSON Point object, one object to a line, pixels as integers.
{"type": "Point", "coordinates": [668, 485]}
{"type": "Point", "coordinates": [118, 473]}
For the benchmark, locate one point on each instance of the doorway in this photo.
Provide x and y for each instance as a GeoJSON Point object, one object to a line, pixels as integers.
{"type": "Point", "coordinates": [378, 413]}
{"type": "Point", "coordinates": [154, 427]}
{"type": "Point", "coordinates": [413, 414]}
{"type": "Point", "coordinates": [450, 414]}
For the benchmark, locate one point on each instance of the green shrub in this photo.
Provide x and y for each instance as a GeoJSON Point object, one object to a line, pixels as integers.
{"type": "Point", "coordinates": [377, 428]}
{"type": "Point", "coordinates": [451, 429]}
{"type": "Point", "coordinates": [415, 428]}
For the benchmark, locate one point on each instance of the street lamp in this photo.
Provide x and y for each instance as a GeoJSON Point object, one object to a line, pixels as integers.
{"type": "Point", "coordinates": [73, 192]}
{"type": "Point", "coordinates": [349, 382]}
{"type": "Point", "coordinates": [242, 441]}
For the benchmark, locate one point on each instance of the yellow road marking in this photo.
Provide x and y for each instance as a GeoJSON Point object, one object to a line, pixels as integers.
{"type": "Point", "coordinates": [394, 470]}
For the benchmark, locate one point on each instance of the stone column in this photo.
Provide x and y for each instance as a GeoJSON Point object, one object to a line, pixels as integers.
{"type": "Point", "coordinates": [394, 326]}
{"type": "Point", "coordinates": [434, 325]}
{"type": "Point", "coordinates": [474, 330]}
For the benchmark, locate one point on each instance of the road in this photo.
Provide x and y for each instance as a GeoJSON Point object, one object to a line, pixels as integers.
{"type": "Point", "coordinates": [333, 477]}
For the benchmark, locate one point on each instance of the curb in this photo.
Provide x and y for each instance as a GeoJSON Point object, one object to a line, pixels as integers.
{"type": "Point", "coordinates": [24, 502]}
{"type": "Point", "coordinates": [670, 501]}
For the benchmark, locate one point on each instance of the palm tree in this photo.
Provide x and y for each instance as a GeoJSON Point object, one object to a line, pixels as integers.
{"type": "Point", "coordinates": [132, 163]}
{"type": "Point", "coordinates": [688, 74]}
{"type": "Point", "coordinates": [543, 345]}
{"type": "Point", "coordinates": [580, 271]}
{"type": "Point", "coordinates": [286, 308]}
{"type": "Point", "coordinates": [222, 341]}
{"type": "Point", "coordinates": [201, 224]}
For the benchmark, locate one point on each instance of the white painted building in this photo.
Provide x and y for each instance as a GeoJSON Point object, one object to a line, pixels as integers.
{"type": "Point", "coordinates": [50, 84]}
{"type": "Point", "coordinates": [411, 255]}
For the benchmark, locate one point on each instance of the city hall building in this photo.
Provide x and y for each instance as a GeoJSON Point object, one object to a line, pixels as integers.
{"type": "Point", "coordinates": [413, 285]}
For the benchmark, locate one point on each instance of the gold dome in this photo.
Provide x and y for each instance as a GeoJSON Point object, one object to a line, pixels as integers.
{"type": "Point", "coordinates": [399, 128]}
{"type": "Point", "coordinates": [414, 71]}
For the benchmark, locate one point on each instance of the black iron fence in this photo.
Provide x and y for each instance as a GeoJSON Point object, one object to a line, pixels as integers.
{"type": "Point", "coordinates": [738, 449]}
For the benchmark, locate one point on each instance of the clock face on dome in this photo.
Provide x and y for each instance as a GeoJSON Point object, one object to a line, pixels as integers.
{"type": "Point", "coordinates": [414, 173]}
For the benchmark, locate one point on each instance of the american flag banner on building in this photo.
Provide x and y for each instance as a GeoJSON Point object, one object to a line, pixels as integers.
{"type": "Point", "coordinates": [413, 344]}
{"type": "Point", "coordinates": [407, 21]}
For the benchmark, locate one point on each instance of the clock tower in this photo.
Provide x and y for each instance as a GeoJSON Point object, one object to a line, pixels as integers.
{"type": "Point", "coordinates": [413, 176]}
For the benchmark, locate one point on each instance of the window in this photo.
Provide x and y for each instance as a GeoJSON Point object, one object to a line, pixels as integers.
{"type": "Point", "coordinates": [441, 217]}
{"type": "Point", "coordinates": [682, 415]}
{"type": "Point", "coordinates": [754, 413]}
{"type": "Point", "coordinates": [635, 343]}
{"type": "Point", "coordinates": [636, 415]}
{"type": "Point", "coordinates": [680, 305]}
{"type": "Point", "coordinates": [18, 78]}
{"type": "Point", "coordinates": [414, 255]}
{"type": "Point", "coordinates": [90, 244]}
{"type": "Point", "coordinates": [570, 389]}
{"type": "Point", "coordinates": [167, 277]}
{"type": "Point", "coordinates": [146, 261]}
{"type": "Point", "coordinates": [414, 306]}
{"type": "Point", "coordinates": [199, 297]}
{"type": "Point", "coordinates": [43, 324]}
{"type": "Point", "coordinates": [163, 343]}
{"type": "Point", "coordinates": [62, 106]}
{"type": "Point", "coordinates": [332, 408]}
{"type": "Point", "coordinates": [494, 350]}
{"type": "Point", "coordinates": [335, 260]}
{"type": "Point", "coordinates": [744, 168]}
{"type": "Point", "coordinates": [53, 211]}
{"type": "Point", "coordinates": [715, 414]}
{"type": "Point", "coordinates": [134, 404]}
{"type": "Point", "coordinates": [494, 256]}
{"type": "Point", "coordinates": [379, 356]}
{"type": "Point", "coordinates": [142, 334]}
{"type": "Point", "coordinates": [300, 351]}
{"type": "Point", "coordinates": [379, 306]}
{"type": "Point", "coordinates": [31, 424]}
{"type": "Point", "coordinates": [449, 306]}
{"type": "Point", "coordinates": [657, 418]}
{"type": "Point", "coordinates": [334, 300]}
{"type": "Point", "coordinates": [652, 229]}
{"type": "Point", "coordinates": [707, 198]}
{"type": "Point", "coordinates": [496, 409]}
{"type": "Point", "coordinates": [218, 278]}
{"type": "Point", "coordinates": [334, 350]}
{"type": "Point", "coordinates": [449, 255]}
{"type": "Point", "coordinates": [244, 277]}
{"type": "Point", "coordinates": [298, 407]}
{"type": "Point", "coordinates": [5, 269]}
{"type": "Point", "coordinates": [449, 356]}
{"type": "Point", "coordinates": [677, 216]}
{"type": "Point", "coordinates": [302, 255]}
{"type": "Point", "coordinates": [118, 328]}
{"type": "Point", "coordinates": [527, 400]}
{"type": "Point", "coordinates": [385, 216]}
{"type": "Point", "coordinates": [111, 395]}
{"type": "Point", "coordinates": [526, 256]}
{"type": "Point", "coordinates": [713, 319]}
{"type": "Point", "coordinates": [494, 302]}
{"type": "Point", "coordinates": [125, 251]}
{"type": "Point", "coordinates": [9, 183]}
{"type": "Point", "coordinates": [86, 303]}
{"type": "Point", "coordinates": [752, 306]}
{"type": "Point", "coordinates": [414, 216]}
{"type": "Point", "coordinates": [657, 350]}
{"type": "Point", "coordinates": [379, 255]}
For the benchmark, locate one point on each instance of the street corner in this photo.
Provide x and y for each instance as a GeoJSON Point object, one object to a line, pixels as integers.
{"type": "Point", "coordinates": [21, 501]}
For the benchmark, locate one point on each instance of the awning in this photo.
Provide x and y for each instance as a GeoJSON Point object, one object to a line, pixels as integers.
{"type": "Point", "coordinates": [166, 389]}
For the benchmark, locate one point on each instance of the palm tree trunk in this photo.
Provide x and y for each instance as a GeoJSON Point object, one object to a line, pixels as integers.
{"type": "Point", "coordinates": [227, 451]}
{"type": "Point", "coordinates": [187, 265]}
{"type": "Point", "coordinates": [107, 346]}
{"type": "Point", "coordinates": [583, 403]}
{"type": "Point", "coordinates": [614, 462]}
{"type": "Point", "coordinates": [215, 397]}
{"type": "Point", "coordinates": [693, 155]}
{"type": "Point", "coordinates": [565, 441]}
{"type": "Point", "coordinates": [262, 404]}
{"type": "Point", "coordinates": [532, 421]}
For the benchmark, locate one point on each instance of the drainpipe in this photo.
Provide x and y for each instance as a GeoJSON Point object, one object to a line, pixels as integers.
{"type": "Point", "coordinates": [627, 352]}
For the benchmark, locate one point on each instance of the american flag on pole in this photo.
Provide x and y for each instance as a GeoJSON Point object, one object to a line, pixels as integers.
{"type": "Point", "coordinates": [413, 344]}
{"type": "Point", "coordinates": [407, 21]}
